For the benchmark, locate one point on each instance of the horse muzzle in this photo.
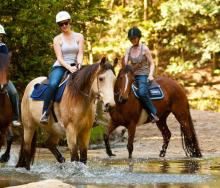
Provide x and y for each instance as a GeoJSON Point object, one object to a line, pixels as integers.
{"type": "Point", "coordinates": [108, 107]}
{"type": "Point", "coordinates": [122, 100]}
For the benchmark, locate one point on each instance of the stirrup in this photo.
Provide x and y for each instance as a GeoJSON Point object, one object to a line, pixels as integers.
{"type": "Point", "coordinates": [44, 118]}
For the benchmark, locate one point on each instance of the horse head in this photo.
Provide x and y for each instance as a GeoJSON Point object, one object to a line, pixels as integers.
{"type": "Point", "coordinates": [123, 83]}
{"type": "Point", "coordinates": [104, 84]}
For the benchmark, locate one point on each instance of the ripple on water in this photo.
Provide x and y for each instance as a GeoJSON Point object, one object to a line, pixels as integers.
{"type": "Point", "coordinates": [76, 172]}
{"type": "Point", "coordinates": [96, 172]}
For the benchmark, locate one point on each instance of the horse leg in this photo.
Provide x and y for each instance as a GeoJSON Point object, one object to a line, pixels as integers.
{"type": "Point", "coordinates": [162, 125]}
{"type": "Point", "coordinates": [71, 136]}
{"type": "Point", "coordinates": [106, 136]}
{"type": "Point", "coordinates": [190, 143]}
{"type": "Point", "coordinates": [6, 156]}
{"type": "Point", "coordinates": [52, 142]}
{"type": "Point", "coordinates": [28, 148]}
{"type": "Point", "coordinates": [83, 145]}
{"type": "Point", "coordinates": [131, 134]}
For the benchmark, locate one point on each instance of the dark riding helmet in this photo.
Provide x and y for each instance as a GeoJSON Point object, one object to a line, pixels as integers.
{"type": "Point", "coordinates": [134, 32]}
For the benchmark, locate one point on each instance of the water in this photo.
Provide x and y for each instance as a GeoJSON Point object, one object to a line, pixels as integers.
{"type": "Point", "coordinates": [120, 173]}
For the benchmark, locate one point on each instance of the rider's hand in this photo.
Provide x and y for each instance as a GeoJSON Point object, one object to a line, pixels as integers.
{"type": "Point", "coordinates": [150, 78]}
{"type": "Point", "coordinates": [73, 69]}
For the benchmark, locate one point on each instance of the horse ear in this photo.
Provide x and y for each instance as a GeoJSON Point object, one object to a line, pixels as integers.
{"type": "Point", "coordinates": [115, 62]}
{"type": "Point", "coordinates": [103, 61]}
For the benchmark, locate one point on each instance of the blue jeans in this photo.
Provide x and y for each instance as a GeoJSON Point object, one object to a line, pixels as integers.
{"type": "Point", "coordinates": [14, 98]}
{"type": "Point", "coordinates": [142, 83]}
{"type": "Point", "coordinates": [55, 78]}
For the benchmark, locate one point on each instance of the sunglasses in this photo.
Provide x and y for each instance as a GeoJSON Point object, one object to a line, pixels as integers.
{"type": "Point", "coordinates": [63, 23]}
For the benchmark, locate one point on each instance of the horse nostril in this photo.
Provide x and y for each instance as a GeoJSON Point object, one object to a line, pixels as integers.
{"type": "Point", "coordinates": [122, 100]}
{"type": "Point", "coordinates": [107, 107]}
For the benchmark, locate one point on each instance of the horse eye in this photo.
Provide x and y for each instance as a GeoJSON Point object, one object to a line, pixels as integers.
{"type": "Point", "coordinates": [101, 79]}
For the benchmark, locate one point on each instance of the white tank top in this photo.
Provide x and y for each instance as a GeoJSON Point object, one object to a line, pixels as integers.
{"type": "Point", "coordinates": [69, 51]}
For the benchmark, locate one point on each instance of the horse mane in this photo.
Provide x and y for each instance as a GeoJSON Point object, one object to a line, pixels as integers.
{"type": "Point", "coordinates": [127, 68]}
{"type": "Point", "coordinates": [81, 80]}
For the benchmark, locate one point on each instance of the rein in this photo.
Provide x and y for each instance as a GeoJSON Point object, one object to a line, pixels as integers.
{"type": "Point", "coordinates": [98, 95]}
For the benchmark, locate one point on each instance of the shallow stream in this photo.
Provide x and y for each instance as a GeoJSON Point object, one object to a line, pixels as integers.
{"type": "Point", "coordinates": [113, 172]}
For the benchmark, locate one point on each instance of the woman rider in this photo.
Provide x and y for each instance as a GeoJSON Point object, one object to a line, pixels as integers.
{"type": "Point", "coordinates": [68, 47]}
{"type": "Point", "coordinates": [140, 58]}
{"type": "Point", "coordinates": [13, 94]}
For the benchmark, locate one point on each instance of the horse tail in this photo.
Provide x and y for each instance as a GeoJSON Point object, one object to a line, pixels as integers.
{"type": "Point", "coordinates": [190, 143]}
{"type": "Point", "coordinates": [26, 158]}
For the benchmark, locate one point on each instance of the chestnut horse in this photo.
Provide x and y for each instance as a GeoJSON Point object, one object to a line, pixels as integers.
{"type": "Point", "coordinates": [75, 112]}
{"type": "Point", "coordinates": [129, 112]}
{"type": "Point", "coordinates": [5, 107]}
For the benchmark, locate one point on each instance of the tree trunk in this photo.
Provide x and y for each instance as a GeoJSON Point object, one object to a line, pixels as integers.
{"type": "Point", "coordinates": [145, 10]}
{"type": "Point", "coordinates": [90, 52]}
{"type": "Point", "coordinates": [112, 3]}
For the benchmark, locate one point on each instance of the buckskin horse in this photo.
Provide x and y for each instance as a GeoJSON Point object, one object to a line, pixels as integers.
{"type": "Point", "coordinates": [5, 107]}
{"type": "Point", "coordinates": [75, 112]}
{"type": "Point", "coordinates": [129, 113]}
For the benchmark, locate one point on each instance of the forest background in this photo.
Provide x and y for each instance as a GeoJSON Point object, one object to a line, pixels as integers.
{"type": "Point", "coordinates": [183, 35]}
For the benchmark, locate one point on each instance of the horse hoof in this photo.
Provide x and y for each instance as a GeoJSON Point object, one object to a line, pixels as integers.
{"type": "Point", "coordinates": [83, 161]}
{"type": "Point", "coordinates": [4, 158]}
{"type": "Point", "coordinates": [28, 167]}
{"type": "Point", "coordinates": [111, 154]}
{"type": "Point", "coordinates": [62, 160]}
{"type": "Point", "coordinates": [162, 154]}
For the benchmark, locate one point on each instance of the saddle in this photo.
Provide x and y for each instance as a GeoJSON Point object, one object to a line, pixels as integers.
{"type": "Point", "coordinates": [154, 90]}
{"type": "Point", "coordinates": [40, 89]}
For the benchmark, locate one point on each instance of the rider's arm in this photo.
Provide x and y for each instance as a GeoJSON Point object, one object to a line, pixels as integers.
{"type": "Point", "coordinates": [147, 53]}
{"type": "Point", "coordinates": [126, 56]}
{"type": "Point", "coordinates": [81, 48]}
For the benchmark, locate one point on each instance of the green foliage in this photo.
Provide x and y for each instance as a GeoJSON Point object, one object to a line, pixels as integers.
{"type": "Point", "coordinates": [97, 135]}
{"type": "Point", "coordinates": [211, 104]}
{"type": "Point", "coordinates": [178, 65]}
{"type": "Point", "coordinates": [192, 26]}
{"type": "Point", "coordinates": [30, 27]}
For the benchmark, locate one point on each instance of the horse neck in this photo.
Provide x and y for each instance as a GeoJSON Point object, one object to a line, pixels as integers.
{"type": "Point", "coordinates": [82, 98]}
{"type": "Point", "coordinates": [132, 104]}
{"type": "Point", "coordinates": [4, 76]}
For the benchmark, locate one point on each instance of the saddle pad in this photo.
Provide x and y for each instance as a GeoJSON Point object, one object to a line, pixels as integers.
{"type": "Point", "coordinates": [154, 90]}
{"type": "Point", "coordinates": [40, 89]}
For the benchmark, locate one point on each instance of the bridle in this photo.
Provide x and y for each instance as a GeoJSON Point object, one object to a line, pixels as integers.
{"type": "Point", "coordinates": [120, 91]}
{"type": "Point", "coordinates": [3, 88]}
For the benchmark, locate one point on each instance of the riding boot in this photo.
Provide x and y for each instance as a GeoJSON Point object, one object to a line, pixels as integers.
{"type": "Point", "coordinates": [154, 118]}
{"type": "Point", "coordinates": [45, 116]}
{"type": "Point", "coordinates": [14, 98]}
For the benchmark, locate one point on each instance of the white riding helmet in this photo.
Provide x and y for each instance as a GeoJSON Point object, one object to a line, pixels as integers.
{"type": "Point", "coordinates": [2, 30]}
{"type": "Point", "coordinates": [62, 15]}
